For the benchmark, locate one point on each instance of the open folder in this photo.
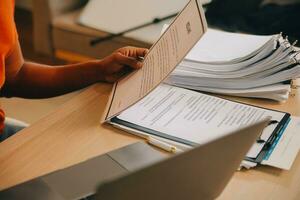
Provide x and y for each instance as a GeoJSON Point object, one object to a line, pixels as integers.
{"type": "Point", "coordinates": [139, 101]}
{"type": "Point", "coordinates": [193, 118]}
{"type": "Point", "coordinates": [183, 33]}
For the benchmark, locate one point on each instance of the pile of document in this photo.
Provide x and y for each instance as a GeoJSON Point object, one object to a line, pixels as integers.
{"type": "Point", "coordinates": [239, 65]}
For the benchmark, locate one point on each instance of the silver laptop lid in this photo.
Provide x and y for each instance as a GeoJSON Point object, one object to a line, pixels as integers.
{"type": "Point", "coordinates": [200, 173]}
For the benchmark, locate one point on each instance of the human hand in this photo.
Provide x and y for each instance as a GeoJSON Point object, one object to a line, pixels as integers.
{"type": "Point", "coordinates": [120, 62]}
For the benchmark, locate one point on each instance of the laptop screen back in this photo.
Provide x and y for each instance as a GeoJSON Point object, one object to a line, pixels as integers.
{"type": "Point", "coordinates": [200, 173]}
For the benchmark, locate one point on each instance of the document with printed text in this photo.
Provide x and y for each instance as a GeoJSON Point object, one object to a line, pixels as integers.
{"type": "Point", "coordinates": [184, 32]}
{"type": "Point", "coordinates": [193, 118]}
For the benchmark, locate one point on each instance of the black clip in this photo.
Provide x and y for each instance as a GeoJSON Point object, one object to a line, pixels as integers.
{"type": "Point", "coordinates": [259, 139]}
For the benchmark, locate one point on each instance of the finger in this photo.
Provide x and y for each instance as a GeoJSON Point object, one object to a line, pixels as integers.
{"type": "Point", "coordinates": [129, 61]}
{"type": "Point", "coordinates": [133, 51]}
{"type": "Point", "coordinates": [140, 52]}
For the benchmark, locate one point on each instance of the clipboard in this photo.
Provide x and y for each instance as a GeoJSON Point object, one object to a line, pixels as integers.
{"type": "Point", "coordinates": [266, 150]}
{"type": "Point", "coordinates": [272, 141]}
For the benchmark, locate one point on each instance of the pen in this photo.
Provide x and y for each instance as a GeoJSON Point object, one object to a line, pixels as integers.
{"type": "Point", "coordinates": [150, 140]}
{"type": "Point", "coordinates": [163, 145]}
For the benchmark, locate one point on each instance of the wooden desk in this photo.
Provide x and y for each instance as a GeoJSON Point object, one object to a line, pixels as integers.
{"type": "Point", "coordinates": [73, 134]}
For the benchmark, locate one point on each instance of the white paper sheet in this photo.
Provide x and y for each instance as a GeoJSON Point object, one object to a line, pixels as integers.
{"type": "Point", "coordinates": [224, 46]}
{"type": "Point", "coordinates": [194, 116]}
{"type": "Point", "coordinates": [287, 147]}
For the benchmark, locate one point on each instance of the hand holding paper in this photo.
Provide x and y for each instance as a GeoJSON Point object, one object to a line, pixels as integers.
{"type": "Point", "coordinates": [119, 63]}
{"type": "Point", "coordinates": [184, 32]}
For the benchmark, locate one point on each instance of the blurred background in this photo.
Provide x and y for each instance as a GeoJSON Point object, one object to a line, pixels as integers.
{"type": "Point", "coordinates": [56, 28]}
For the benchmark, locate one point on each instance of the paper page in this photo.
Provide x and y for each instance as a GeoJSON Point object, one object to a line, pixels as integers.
{"type": "Point", "coordinates": [163, 57]}
{"type": "Point", "coordinates": [277, 92]}
{"type": "Point", "coordinates": [193, 116]}
{"type": "Point", "coordinates": [286, 150]}
{"type": "Point", "coordinates": [275, 88]}
{"type": "Point", "coordinates": [217, 46]}
{"type": "Point", "coordinates": [247, 165]}
{"type": "Point", "coordinates": [241, 83]}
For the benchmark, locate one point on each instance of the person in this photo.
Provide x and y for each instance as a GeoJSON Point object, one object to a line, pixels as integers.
{"type": "Point", "coordinates": [19, 78]}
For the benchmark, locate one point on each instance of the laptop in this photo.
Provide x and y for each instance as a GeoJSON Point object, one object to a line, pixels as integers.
{"type": "Point", "coordinates": [144, 173]}
{"type": "Point", "coordinates": [201, 173]}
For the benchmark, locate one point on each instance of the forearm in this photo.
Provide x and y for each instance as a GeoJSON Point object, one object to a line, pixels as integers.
{"type": "Point", "coordinates": [32, 80]}
{"type": "Point", "coordinates": [43, 81]}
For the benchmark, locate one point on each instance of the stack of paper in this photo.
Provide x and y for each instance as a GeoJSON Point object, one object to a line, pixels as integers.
{"type": "Point", "coordinates": [240, 65]}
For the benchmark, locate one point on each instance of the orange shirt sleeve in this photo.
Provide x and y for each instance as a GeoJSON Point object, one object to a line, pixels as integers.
{"type": "Point", "coordinates": [8, 38]}
{"type": "Point", "coordinates": [8, 34]}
